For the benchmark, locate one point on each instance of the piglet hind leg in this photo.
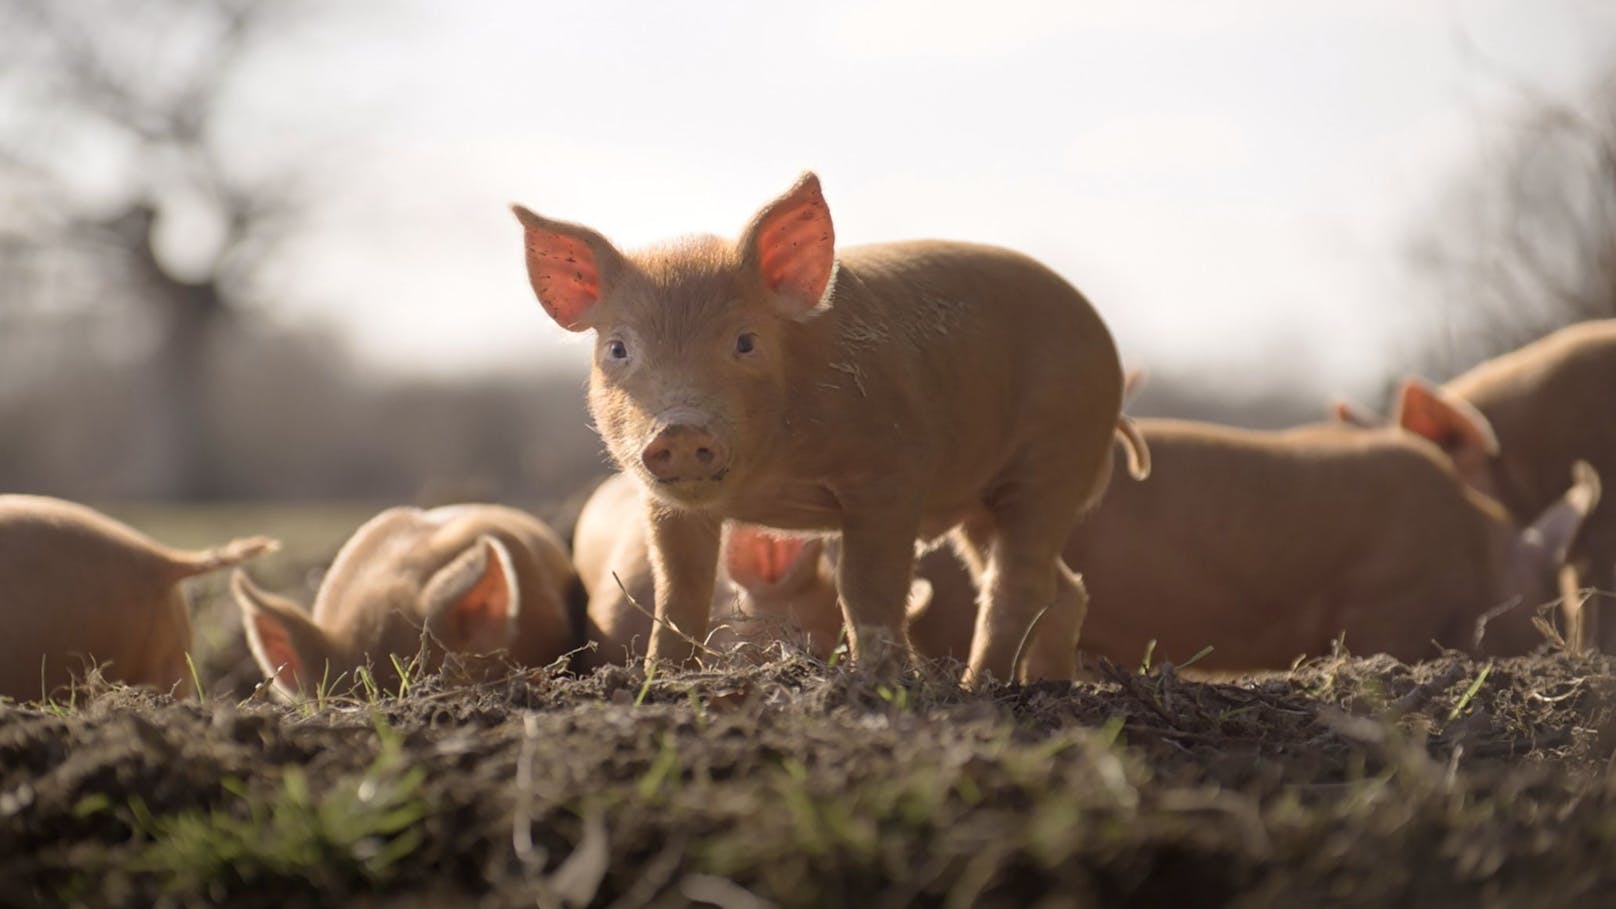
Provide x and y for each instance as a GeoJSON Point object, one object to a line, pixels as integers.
{"type": "Point", "coordinates": [166, 665]}
{"type": "Point", "coordinates": [1033, 606]}
{"type": "Point", "coordinates": [1028, 620]}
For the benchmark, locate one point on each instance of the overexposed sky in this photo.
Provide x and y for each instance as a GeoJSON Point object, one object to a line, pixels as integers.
{"type": "Point", "coordinates": [1232, 183]}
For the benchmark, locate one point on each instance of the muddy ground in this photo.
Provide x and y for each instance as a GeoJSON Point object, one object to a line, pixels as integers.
{"type": "Point", "coordinates": [1359, 782]}
{"type": "Point", "coordinates": [1347, 782]}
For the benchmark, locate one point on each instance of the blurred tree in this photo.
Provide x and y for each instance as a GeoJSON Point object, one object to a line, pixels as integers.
{"type": "Point", "coordinates": [131, 208]}
{"type": "Point", "coordinates": [151, 196]}
{"type": "Point", "coordinates": [1527, 243]}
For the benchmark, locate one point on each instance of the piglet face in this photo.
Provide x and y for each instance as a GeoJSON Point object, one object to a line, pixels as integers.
{"type": "Point", "coordinates": [694, 356]}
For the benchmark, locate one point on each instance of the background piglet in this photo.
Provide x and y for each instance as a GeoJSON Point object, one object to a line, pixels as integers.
{"type": "Point", "coordinates": [77, 587]}
{"type": "Point", "coordinates": [1267, 545]}
{"type": "Point", "coordinates": [475, 580]}
{"type": "Point", "coordinates": [887, 393]}
{"type": "Point", "coordinates": [1515, 424]}
{"type": "Point", "coordinates": [773, 588]}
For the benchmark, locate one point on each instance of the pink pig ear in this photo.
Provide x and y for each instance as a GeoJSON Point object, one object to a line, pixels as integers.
{"type": "Point", "coordinates": [471, 603]}
{"type": "Point", "coordinates": [1453, 424]}
{"type": "Point", "coordinates": [568, 266]}
{"type": "Point", "coordinates": [757, 559]}
{"type": "Point", "coordinates": [290, 649]}
{"type": "Point", "coordinates": [791, 246]}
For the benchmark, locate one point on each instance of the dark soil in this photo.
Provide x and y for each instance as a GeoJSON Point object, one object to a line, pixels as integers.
{"type": "Point", "coordinates": [1346, 782]}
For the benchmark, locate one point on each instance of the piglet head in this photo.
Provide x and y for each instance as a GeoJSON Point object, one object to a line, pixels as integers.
{"type": "Point", "coordinates": [764, 563]}
{"type": "Point", "coordinates": [468, 607]}
{"type": "Point", "coordinates": [694, 339]}
{"type": "Point", "coordinates": [787, 580]}
{"type": "Point", "coordinates": [1455, 426]}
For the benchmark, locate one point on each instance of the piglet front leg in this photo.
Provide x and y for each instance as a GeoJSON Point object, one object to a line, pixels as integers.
{"type": "Point", "coordinates": [684, 564]}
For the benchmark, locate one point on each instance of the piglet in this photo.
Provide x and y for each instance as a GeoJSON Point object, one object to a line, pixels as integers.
{"type": "Point", "coordinates": [773, 588]}
{"type": "Point", "coordinates": [1514, 425]}
{"type": "Point", "coordinates": [78, 588]}
{"type": "Point", "coordinates": [885, 393]}
{"type": "Point", "coordinates": [475, 580]}
{"type": "Point", "coordinates": [1268, 545]}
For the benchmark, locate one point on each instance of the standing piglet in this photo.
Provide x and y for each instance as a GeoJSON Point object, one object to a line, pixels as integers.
{"type": "Point", "coordinates": [79, 588]}
{"type": "Point", "coordinates": [475, 580]}
{"type": "Point", "coordinates": [773, 587]}
{"type": "Point", "coordinates": [1268, 545]}
{"type": "Point", "coordinates": [1514, 425]}
{"type": "Point", "coordinates": [888, 394]}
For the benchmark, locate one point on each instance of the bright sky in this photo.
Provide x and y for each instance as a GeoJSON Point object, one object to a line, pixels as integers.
{"type": "Point", "coordinates": [1232, 183]}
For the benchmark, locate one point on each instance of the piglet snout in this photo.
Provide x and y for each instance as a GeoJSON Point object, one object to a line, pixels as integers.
{"type": "Point", "coordinates": [684, 451]}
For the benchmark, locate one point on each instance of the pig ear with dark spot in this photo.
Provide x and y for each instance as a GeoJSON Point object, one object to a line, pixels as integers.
{"type": "Point", "coordinates": [290, 649]}
{"type": "Point", "coordinates": [1452, 423]}
{"type": "Point", "coordinates": [569, 266]}
{"type": "Point", "coordinates": [472, 603]}
{"type": "Point", "coordinates": [791, 247]}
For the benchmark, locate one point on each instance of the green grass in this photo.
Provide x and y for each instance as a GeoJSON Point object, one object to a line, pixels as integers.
{"type": "Point", "coordinates": [406, 672]}
{"type": "Point", "coordinates": [645, 687]}
{"type": "Point", "coordinates": [196, 678]}
{"type": "Point", "coordinates": [354, 832]}
{"type": "Point", "coordinates": [1470, 693]}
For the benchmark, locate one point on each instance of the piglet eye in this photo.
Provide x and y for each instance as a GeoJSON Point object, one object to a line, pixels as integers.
{"type": "Point", "coordinates": [745, 343]}
{"type": "Point", "coordinates": [616, 350]}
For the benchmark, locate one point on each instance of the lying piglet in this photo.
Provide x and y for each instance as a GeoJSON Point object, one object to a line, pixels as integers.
{"type": "Point", "coordinates": [1267, 545]}
{"type": "Point", "coordinates": [885, 393]}
{"type": "Point", "coordinates": [79, 588]}
{"type": "Point", "coordinates": [1514, 425]}
{"type": "Point", "coordinates": [475, 580]}
{"type": "Point", "coordinates": [773, 588]}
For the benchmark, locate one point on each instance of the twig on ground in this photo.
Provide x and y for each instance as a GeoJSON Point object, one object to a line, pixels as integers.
{"type": "Point", "coordinates": [661, 621]}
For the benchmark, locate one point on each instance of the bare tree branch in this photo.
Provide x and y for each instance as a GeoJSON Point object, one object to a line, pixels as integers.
{"type": "Point", "coordinates": [143, 84]}
{"type": "Point", "coordinates": [1530, 244]}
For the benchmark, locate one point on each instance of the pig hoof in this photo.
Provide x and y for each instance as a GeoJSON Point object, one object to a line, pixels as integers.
{"type": "Point", "coordinates": [1052, 670]}
{"type": "Point", "coordinates": [670, 659]}
{"type": "Point", "coordinates": [879, 650]}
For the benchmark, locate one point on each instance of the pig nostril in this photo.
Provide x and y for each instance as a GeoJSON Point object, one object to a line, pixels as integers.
{"type": "Point", "coordinates": [657, 460]}
{"type": "Point", "coordinates": [704, 455]}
